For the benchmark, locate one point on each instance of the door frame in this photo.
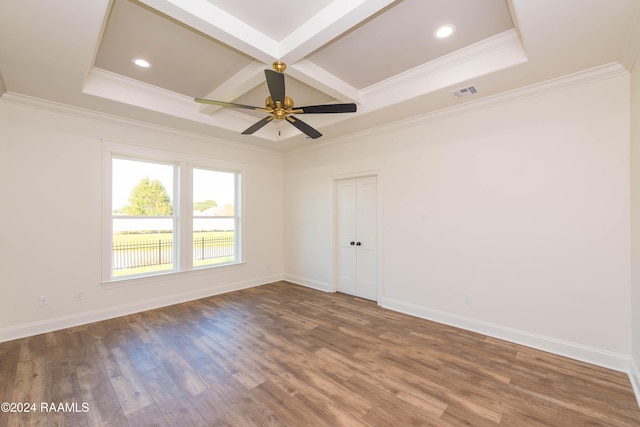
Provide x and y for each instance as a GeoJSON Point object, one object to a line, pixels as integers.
{"type": "Point", "coordinates": [334, 180]}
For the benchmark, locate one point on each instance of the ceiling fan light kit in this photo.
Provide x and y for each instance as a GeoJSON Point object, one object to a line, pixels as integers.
{"type": "Point", "coordinates": [281, 107]}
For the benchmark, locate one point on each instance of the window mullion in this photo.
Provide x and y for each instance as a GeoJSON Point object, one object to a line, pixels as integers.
{"type": "Point", "coordinates": [186, 216]}
{"type": "Point", "coordinates": [238, 212]}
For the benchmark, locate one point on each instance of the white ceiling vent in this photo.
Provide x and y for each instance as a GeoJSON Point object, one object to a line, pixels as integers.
{"type": "Point", "coordinates": [465, 91]}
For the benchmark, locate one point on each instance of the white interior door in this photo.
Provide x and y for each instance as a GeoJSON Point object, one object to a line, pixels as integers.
{"type": "Point", "coordinates": [347, 256]}
{"type": "Point", "coordinates": [357, 212]}
{"type": "Point", "coordinates": [367, 242]}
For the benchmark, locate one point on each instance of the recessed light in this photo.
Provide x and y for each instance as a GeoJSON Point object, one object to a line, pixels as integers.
{"type": "Point", "coordinates": [142, 63]}
{"type": "Point", "coordinates": [444, 31]}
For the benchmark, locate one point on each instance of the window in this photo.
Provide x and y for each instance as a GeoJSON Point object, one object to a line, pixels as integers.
{"type": "Point", "coordinates": [214, 219]}
{"type": "Point", "coordinates": [143, 217]}
{"type": "Point", "coordinates": [167, 212]}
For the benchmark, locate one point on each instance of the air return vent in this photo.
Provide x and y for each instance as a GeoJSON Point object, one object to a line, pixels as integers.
{"type": "Point", "coordinates": [465, 91]}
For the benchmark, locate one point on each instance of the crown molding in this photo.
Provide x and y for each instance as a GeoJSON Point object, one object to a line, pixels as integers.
{"type": "Point", "coordinates": [603, 72]}
{"type": "Point", "coordinates": [580, 78]}
{"type": "Point", "coordinates": [42, 104]}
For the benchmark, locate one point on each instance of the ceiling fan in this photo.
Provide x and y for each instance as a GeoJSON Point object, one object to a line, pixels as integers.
{"type": "Point", "coordinates": [280, 107]}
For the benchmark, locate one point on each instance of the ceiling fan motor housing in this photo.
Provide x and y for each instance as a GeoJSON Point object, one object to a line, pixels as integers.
{"type": "Point", "coordinates": [281, 112]}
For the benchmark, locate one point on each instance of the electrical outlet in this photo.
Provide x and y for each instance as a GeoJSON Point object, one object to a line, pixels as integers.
{"type": "Point", "coordinates": [468, 299]}
{"type": "Point", "coordinates": [79, 295]}
{"type": "Point", "coordinates": [43, 301]}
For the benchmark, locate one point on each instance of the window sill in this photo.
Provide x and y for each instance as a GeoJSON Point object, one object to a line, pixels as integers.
{"type": "Point", "coordinates": [139, 280]}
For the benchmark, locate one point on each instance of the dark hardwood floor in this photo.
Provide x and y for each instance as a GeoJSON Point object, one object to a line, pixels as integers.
{"type": "Point", "coordinates": [282, 354]}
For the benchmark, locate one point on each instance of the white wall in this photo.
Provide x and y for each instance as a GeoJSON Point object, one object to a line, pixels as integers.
{"type": "Point", "coordinates": [635, 225]}
{"type": "Point", "coordinates": [524, 205]}
{"type": "Point", "coordinates": [51, 175]}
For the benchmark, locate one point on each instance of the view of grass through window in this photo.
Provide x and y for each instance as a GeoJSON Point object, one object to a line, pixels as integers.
{"type": "Point", "coordinates": [214, 221]}
{"type": "Point", "coordinates": [143, 199]}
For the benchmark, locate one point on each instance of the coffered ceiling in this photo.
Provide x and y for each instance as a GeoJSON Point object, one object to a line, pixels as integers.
{"type": "Point", "coordinates": [380, 54]}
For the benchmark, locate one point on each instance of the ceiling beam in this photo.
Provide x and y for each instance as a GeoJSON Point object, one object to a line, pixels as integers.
{"type": "Point", "coordinates": [240, 83]}
{"type": "Point", "coordinates": [319, 78]}
{"type": "Point", "coordinates": [220, 25]}
{"type": "Point", "coordinates": [335, 19]}
{"type": "Point", "coordinates": [332, 21]}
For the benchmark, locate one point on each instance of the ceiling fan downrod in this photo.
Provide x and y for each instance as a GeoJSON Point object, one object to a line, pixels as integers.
{"type": "Point", "coordinates": [279, 66]}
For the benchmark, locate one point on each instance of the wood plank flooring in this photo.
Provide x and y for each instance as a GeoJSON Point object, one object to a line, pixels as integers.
{"type": "Point", "coordinates": [282, 354]}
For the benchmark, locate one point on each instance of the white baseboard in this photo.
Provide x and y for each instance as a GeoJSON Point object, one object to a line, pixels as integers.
{"type": "Point", "coordinates": [606, 359]}
{"type": "Point", "coordinates": [309, 283]}
{"type": "Point", "coordinates": [49, 325]}
{"type": "Point", "coordinates": [634, 376]}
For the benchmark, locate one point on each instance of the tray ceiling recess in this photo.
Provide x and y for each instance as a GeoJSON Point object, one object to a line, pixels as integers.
{"type": "Point", "coordinates": [337, 52]}
{"type": "Point", "coordinates": [384, 56]}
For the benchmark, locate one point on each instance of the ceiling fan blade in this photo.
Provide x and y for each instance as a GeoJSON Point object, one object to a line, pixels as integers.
{"type": "Point", "coordinates": [330, 108]}
{"type": "Point", "coordinates": [305, 128]}
{"type": "Point", "coordinates": [257, 125]}
{"type": "Point", "coordinates": [275, 82]}
{"type": "Point", "coordinates": [227, 104]}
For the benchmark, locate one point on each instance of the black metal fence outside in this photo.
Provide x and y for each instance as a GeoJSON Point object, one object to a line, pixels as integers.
{"type": "Point", "coordinates": [213, 247]}
{"type": "Point", "coordinates": [142, 254]}
{"type": "Point", "coordinates": [136, 254]}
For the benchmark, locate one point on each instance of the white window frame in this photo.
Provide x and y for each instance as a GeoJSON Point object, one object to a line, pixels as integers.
{"type": "Point", "coordinates": [182, 206]}
{"type": "Point", "coordinates": [236, 215]}
{"type": "Point", "coordinates": [174, 217]}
